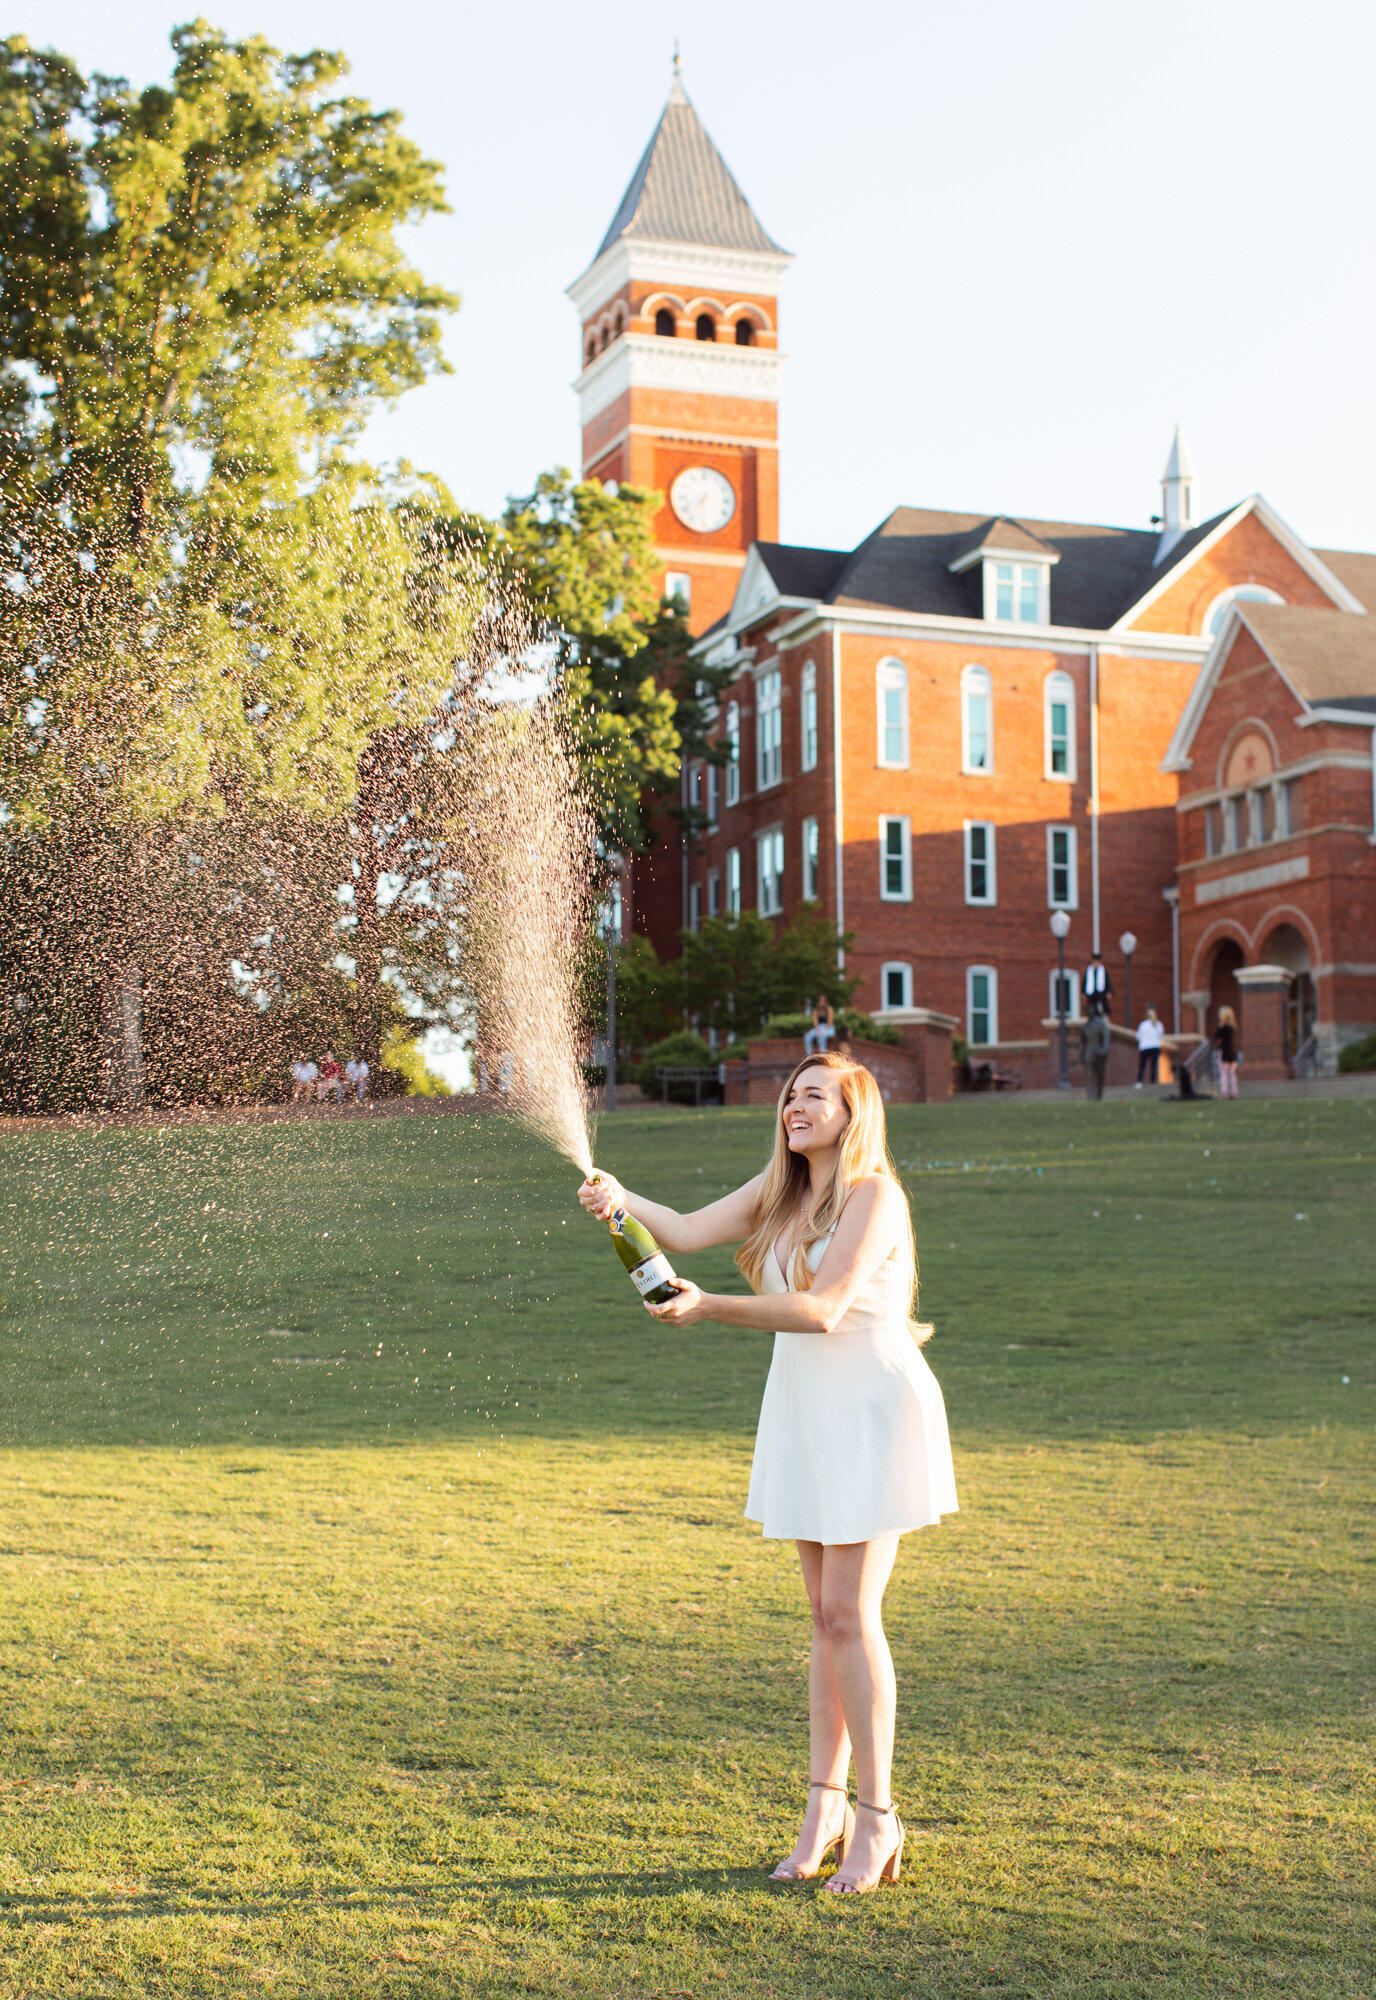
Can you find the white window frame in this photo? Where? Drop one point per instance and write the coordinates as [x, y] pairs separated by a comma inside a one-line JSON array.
[[769, 871], [1074, 982], [711, 800], [713, 893], [1072, 901], [769, 730], [733, 881], [695, 907], [905, 894], [1237, 593], [891, 675], [1025, 577], [678, 583], [989, 862], [1058, 686], [976, 684], [733, 741], [1232, 824], [808, 717], [991, 1011], [812, 860], [905, 974], [695, 786]]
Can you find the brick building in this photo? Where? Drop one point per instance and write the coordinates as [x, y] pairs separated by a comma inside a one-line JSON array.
[[967, 722]]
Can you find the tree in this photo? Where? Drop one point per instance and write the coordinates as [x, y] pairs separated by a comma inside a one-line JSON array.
[[736, 971]]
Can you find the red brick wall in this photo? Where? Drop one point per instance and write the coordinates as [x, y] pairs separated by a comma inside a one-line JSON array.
[[1249, 553]]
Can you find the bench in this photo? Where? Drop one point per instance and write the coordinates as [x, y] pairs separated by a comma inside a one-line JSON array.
[[689, 1073]]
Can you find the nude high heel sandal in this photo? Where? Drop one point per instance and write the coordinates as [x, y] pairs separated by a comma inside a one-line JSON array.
[[891, 1868], [840, 1841]]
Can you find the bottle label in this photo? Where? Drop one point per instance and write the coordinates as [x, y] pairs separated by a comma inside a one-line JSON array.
[[656, 1270]]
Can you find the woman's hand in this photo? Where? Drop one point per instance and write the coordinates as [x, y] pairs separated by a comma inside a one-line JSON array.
[[601, 1195], [683, 1308]]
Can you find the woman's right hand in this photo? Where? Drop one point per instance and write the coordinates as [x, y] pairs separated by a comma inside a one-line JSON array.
[[601, 1194]]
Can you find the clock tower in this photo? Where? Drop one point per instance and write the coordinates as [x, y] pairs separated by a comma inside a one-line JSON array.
[[679, 389]]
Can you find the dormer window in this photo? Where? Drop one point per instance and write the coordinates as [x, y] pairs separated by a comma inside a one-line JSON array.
[[1015, 572], [1017, 593]]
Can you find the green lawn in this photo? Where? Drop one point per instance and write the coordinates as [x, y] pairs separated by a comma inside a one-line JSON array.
[[379, 1615]]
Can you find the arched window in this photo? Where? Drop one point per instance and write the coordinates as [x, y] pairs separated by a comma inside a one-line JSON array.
[[592, 348], [1059, 726], [1242, 593], [809, 717], [618, 322], [745, 333], [891, 690], [707, 327], [976, 720], [666, 323], [606, 338], [733, 761]]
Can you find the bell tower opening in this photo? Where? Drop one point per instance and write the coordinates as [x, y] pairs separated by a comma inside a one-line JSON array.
[[686, 260]]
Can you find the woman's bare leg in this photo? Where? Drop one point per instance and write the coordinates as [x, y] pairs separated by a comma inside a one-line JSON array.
[[829, 1744], [854, 1577]]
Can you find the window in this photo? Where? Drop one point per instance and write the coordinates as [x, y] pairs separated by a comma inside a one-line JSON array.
[[1064, 990], [769, 730], [1211, 833], [809, 716], [1060, 726], [812, 859], [1287, 809], [896, 985], [892, 691], [733, 745], [733, 882], [1017, 593], [1256, 831], [711, 795], [981, 1004], [1232, 825], [695, 907], [770, 850], [1243, 593], [745, 333], [1062, 884], [706, 327], [713, 893], [980, 886], [678, 584], [976, 720], [695, 786], [666, 323], [895, 858]]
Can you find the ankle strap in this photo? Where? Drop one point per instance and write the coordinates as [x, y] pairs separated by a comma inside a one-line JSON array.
[[865, 1806], [821, 1785]]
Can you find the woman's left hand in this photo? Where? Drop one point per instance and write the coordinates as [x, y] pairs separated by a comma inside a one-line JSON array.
[[681, 1310]]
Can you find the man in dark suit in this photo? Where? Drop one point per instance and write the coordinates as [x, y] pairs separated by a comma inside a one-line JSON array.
[[1098, 988]]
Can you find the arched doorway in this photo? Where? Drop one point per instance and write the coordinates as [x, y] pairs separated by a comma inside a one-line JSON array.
[[1287, 946], [1224, 990]]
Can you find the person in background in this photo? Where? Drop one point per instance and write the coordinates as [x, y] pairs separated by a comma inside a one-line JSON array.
[[356, 1072], [1225, 1041], [1094, 1047], [1151, 1034], [823, 1027], [303, 1075], [1098, 987], [331, 1082]]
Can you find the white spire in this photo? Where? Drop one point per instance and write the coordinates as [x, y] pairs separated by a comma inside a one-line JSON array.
[[1180, 510]]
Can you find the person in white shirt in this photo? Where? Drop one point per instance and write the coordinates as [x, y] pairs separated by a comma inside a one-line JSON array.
[[356, 1071], [1097, 987], [303, 1075], [1151, 1035]]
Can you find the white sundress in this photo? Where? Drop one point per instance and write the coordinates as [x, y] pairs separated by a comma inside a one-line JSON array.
[[852, 1442]]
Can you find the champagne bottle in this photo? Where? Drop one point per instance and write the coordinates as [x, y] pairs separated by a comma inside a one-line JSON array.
[[651, 1272]]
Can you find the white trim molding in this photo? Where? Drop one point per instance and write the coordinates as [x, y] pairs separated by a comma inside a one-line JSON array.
[[693, 367], [1247, 880], [686, 267], [1298, 551]]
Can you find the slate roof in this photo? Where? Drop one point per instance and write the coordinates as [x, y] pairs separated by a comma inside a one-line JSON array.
[[1328, 657], [905, 565], [801, 572], [684, 192]]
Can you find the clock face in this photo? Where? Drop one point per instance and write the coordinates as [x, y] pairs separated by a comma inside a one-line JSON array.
[[703, 499]]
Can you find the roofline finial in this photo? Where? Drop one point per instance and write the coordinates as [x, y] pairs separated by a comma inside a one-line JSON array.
[[678, 60]]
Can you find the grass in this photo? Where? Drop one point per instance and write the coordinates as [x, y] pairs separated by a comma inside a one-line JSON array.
[[379, 1615]]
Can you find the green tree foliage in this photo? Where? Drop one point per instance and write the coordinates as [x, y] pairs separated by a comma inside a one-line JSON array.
[[737, 971]]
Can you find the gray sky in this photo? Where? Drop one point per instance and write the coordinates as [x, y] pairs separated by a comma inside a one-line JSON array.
[[1027, 237]]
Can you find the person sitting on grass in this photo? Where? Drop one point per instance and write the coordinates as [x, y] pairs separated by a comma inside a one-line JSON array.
[[356, 1073], [303, 1075], [331, 1082], [852, 1450]]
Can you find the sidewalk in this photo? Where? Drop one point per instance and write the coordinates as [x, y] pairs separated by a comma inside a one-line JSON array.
[[1360, 1084]]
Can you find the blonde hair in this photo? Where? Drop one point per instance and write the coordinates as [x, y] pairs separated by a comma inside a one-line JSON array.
[[863, 1150], [1227, 1018]]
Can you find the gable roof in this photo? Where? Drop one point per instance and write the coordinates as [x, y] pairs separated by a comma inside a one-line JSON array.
[[1328, 658], [684, 192], [802, 572], [998, 537]]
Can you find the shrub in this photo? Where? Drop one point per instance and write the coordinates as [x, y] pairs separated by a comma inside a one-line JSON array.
[[684, 1050], [849, 1021], [1358, 1055]]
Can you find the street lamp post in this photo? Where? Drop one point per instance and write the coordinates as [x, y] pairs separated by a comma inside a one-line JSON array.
[[616, 865], [1060, 925], [1127, 944]]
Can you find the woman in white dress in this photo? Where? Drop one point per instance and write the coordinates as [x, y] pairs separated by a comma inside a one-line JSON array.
[[852, 1449]]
